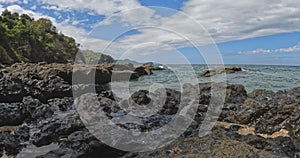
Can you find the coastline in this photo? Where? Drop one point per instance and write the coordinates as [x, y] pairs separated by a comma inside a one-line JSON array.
[[38, 109]]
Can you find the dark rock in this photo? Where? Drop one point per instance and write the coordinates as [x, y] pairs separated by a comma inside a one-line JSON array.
[[31, 104], [143, 71], [124, 75], [220, 70], [57, 129], [23, 133], [63, 104], [12, 114], [46, 81], [235, 94], [36, 109], [207, 147], [141, 97], [12, 142], [83, 144], [171, 105], [87, 74]]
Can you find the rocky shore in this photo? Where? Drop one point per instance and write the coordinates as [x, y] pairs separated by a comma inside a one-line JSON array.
[[220, 70], [38, 117]]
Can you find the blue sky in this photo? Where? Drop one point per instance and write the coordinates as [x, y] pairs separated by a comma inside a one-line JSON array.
[[256, 32]]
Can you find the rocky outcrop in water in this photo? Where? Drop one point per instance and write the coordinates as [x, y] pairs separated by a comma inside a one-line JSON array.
[[220, 70], [37, 110], [46, 81]]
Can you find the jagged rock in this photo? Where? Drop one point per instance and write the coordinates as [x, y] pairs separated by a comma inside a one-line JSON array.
[[36, 109], [54, 130], [235, 94], [205, 148], [124, 75], [13, 142], [63, 104], [141, 97], [83, 144], [12, 114], [143, 71], [220, 70]]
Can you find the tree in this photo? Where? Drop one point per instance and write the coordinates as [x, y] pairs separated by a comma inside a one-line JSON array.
[[28, 40]]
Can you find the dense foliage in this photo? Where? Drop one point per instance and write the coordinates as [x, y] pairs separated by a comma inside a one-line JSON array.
[[91, 57], [24, 39]]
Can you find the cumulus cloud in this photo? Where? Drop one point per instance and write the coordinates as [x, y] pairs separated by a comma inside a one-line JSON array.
[[224, 20], [102, 7], [8, 1], [293, 49], [233, 20], [1, 8], [79, 34]]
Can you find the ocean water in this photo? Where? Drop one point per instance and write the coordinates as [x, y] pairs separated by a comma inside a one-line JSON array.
[[273, 78]]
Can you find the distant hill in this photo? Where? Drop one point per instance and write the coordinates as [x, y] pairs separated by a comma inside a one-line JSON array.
[[24, 39], [90, 57], [128, 61]]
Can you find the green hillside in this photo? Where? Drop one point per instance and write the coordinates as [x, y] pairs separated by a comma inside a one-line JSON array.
[[24, 39], [91, 57]]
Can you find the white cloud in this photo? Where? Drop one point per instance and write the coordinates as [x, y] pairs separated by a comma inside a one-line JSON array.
[[52, 7], [33, 7], [232, 20], [8, 1], [293, 49], [80, 35], [225, 20], [1, 8], [102, 7]]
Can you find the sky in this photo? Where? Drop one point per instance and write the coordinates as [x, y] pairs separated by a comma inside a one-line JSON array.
[[177, 31]]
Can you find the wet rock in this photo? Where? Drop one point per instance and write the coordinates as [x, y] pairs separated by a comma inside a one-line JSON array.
[[31, 104], [235, 94], [46, 81], [280, 146], [2, 66], [262, 95], [36, 109], [12, 114], [171, 105], [83, 144], [12, 142], [220, 70], [89, 74], [207, 147], [141, 97], [22, 133], [57, 129], [124, 75], [108, 94], [11, 90], [143, 71], [152, 66], [63, 104]]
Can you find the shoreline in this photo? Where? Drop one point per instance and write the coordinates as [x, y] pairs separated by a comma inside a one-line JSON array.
[[38, 109]]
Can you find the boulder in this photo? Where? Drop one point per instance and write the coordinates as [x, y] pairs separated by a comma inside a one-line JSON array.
[[12, 114], [124, 75], [143, 71], [83, 144], [220, 70], [207, 147]]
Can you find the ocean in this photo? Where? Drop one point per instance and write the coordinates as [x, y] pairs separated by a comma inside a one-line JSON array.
[[274, 78]]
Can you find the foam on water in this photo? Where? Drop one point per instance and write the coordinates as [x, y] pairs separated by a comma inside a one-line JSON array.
[[273, 78]]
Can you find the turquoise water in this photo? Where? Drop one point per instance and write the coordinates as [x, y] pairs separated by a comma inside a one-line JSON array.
[[273, 78]]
